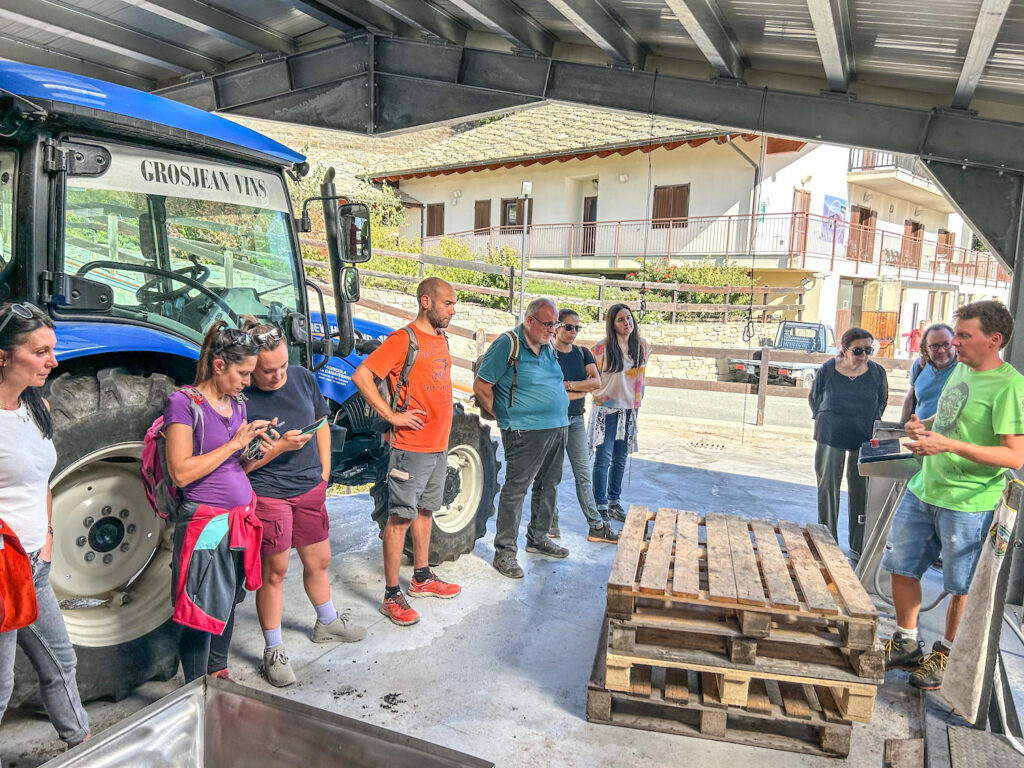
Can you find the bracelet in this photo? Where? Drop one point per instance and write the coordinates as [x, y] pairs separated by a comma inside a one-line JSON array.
[[49, 530]]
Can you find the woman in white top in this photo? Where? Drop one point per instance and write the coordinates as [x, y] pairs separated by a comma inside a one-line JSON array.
[[27, 458], [621, 359]]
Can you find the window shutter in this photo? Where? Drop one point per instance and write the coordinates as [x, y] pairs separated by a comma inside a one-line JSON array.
[[482, 215]]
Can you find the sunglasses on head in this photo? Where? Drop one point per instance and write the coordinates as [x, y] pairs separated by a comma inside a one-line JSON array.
[[247, 339], [572, 328], [22, 310], [858, 351]]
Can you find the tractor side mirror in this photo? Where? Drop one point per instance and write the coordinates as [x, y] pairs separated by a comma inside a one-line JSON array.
[[354, 231]]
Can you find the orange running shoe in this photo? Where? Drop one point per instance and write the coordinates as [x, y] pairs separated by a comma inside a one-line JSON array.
[[433, 587], [397, 609]]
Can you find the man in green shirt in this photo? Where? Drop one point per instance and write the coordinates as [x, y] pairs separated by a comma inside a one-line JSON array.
[[977, 433]]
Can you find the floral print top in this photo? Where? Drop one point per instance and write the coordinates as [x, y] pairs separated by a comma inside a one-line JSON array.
[[621, 390]]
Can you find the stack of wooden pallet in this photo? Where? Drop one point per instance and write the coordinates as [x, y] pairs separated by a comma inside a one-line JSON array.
[[738, 630]]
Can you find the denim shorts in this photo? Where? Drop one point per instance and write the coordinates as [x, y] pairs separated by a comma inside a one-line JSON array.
[[922, 532]]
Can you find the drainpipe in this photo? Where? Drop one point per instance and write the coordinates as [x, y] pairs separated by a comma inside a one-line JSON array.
[[755, 193]]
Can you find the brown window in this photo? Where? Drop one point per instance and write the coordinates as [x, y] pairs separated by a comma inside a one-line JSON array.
[[671, 203], [482, 215], [435, 219], [512, 213]]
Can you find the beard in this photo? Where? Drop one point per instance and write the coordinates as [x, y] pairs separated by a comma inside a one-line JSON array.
[[436, 319]]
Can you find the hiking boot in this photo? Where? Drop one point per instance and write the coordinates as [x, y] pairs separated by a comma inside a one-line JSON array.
[[547, 547], [433, 587], [603, 533], [616, 512], [276, 668], [928, 675], [553, 531], [505, 564], [397, 609], [342, 630], [902, 652]]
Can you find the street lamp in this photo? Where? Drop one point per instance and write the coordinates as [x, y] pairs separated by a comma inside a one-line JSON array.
[[527, 190]]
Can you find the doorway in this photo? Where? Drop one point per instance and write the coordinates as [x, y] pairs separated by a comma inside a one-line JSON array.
[[798, 230], [589, 230]]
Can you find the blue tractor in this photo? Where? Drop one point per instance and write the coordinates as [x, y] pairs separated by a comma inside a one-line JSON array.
[[137, 222]]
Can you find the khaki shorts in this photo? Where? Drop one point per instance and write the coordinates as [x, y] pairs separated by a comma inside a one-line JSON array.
[[424, 488]]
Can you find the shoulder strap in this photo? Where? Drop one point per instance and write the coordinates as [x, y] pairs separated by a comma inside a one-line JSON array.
[[411, 353], [513, 363], [195, 401], [920, 370]]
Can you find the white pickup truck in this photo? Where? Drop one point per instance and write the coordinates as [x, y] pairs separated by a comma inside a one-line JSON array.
[[792, 336]]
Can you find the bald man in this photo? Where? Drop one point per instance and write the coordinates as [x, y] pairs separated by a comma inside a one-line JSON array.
[[419, 442]]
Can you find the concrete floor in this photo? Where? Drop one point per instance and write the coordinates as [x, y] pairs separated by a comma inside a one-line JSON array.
[[501, 672]]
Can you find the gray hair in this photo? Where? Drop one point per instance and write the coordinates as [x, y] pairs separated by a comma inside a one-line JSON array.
[[534, 306]]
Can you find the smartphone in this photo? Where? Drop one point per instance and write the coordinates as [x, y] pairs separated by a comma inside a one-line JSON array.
[[308, 430]]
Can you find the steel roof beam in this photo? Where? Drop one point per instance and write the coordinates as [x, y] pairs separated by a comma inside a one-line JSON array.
[[103, 33], [214, 22], [19, 50], [986, 30], [705, 24], [512, 23], [423, 14], [831, 20], [606, 32], [353, 15]]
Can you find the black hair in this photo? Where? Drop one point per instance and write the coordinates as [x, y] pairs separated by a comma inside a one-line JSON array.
[[564, 313], [854, 334], [13, 335], [925, 357], [613, 354], [224, 343]]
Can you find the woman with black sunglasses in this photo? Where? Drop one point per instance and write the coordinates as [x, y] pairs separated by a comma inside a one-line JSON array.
[[27, 458], [216, 532], [847, 396]]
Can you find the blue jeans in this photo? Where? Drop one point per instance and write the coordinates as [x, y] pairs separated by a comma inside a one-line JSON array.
[[578, 451], [609, 464], [48, 647], [920, 532]]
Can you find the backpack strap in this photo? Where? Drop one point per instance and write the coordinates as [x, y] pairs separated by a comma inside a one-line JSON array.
[[513, 363], [195, 402], [411, 353]]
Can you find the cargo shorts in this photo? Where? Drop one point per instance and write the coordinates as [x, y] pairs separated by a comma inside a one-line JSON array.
[[415, 481]]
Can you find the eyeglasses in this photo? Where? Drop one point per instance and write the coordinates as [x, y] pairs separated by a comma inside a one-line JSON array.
[[858, 351], [572, 328], [937, 347], [22, 310], [550, 326]]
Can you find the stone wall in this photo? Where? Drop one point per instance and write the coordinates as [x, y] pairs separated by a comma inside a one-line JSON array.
[[706, 334]]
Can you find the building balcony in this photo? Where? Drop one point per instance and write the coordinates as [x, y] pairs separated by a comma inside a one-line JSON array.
[[779, 240], [897, 176]]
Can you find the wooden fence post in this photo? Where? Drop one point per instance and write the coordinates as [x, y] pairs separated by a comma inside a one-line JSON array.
[[600, 298], [512, 290], [727, 300], [481, 341], [675, 300], [762, 385], [420, 270]]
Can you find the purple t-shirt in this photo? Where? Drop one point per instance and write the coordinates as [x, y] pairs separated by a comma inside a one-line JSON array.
[[228, 485]]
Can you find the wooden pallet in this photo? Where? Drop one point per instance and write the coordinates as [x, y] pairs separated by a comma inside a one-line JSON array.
[[730, 576], [776, 715]]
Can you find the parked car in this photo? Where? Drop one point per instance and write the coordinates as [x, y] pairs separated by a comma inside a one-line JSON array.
[[792, 336]]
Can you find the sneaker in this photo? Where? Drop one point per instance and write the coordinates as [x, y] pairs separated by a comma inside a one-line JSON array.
[[342, 629], [603, 533], [928, 675], [616, 512], [276, 668], [433, 587], [603, 512], [902, 653], [547, 547], [221, 674], [505, 563], [553, 531], [397, 609]]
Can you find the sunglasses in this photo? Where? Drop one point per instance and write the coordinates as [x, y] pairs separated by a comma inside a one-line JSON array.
[[268, 337], [22, 310], [246, 339], [572, 328], [858, 351]]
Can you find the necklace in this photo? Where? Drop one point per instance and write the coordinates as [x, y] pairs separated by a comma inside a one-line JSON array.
[[16, 410]]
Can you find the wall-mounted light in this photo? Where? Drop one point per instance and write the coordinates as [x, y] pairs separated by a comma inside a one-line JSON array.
[[917, 211], [867, 197], [623, 178], [807, 283], [457, 193], [595, 182], [892, 208], [527, 188], [805, 179]]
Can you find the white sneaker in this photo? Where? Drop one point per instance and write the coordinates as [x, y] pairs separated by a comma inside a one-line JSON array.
[[276, 667]]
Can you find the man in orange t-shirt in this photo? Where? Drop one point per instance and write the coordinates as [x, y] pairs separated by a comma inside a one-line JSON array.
[[418, 461]]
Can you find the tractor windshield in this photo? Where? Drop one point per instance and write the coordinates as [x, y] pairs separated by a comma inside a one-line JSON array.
[[183, 242]]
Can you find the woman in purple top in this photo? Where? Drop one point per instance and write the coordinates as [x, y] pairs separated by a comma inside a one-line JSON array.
[[204, 460]]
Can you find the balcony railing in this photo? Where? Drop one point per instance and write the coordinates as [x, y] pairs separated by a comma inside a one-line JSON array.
[[870, 160], [798, 240]]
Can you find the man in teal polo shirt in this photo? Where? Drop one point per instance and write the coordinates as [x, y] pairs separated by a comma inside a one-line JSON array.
[[533, 432], [977, 434]]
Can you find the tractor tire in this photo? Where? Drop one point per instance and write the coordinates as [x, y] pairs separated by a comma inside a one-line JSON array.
[[470, 486], [112, 553]]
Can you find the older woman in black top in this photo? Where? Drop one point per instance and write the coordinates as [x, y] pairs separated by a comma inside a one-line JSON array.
[[848, 395]]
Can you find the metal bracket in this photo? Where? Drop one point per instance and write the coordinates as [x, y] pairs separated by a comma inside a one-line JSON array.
[[75, 159], [74, 292]]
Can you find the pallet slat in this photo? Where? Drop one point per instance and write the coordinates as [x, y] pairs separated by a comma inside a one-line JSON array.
[[627, 553], [749, 590], [816, 592], [686, 569], [773, 565], [721, 576], [857, 601], [659, 553]]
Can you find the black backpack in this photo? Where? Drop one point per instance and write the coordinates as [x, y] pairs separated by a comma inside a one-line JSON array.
[[513, 363], [391, 397]]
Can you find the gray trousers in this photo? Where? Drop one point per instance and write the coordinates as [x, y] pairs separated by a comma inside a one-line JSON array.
[[47, 646], [577, 448], [532, 456], [828, 466]]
